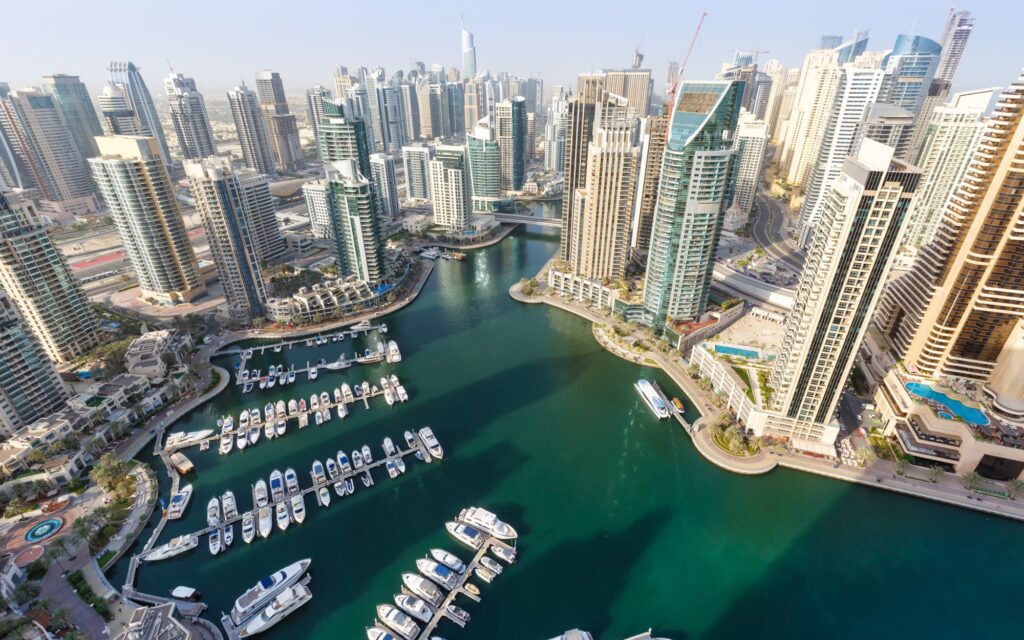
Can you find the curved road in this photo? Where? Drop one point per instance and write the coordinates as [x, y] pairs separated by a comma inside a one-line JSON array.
[[768, 234]]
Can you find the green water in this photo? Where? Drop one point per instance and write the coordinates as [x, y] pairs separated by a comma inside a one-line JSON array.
[[623, 526]]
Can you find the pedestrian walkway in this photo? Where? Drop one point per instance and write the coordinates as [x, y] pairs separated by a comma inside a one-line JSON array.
[[57, 589]]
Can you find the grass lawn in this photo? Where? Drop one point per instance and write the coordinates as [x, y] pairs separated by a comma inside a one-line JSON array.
[[745, 377]]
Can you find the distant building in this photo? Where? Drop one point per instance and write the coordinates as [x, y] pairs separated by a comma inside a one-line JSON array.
[[653, 131], [126, 77], [468, 54], [635, 85], [510, 131], [449, 188], [751, 143], [484, 159], [251, 126], [75, 105], [382, 172], [416, 161], [282, 127], [554, 133], [189, 118], [315, 99]]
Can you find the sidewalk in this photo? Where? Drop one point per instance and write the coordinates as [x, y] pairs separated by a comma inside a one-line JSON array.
[[57, 589]]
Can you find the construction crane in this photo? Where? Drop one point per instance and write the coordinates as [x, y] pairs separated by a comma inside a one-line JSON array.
[[671, 97]]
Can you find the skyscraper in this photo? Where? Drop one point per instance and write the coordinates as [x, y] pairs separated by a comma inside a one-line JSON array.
[[776, 71], [456, 108], [843, 276], [252, 130], [73, 100], [36, 276], [554, 133], [385, 181], [484, 159], [910, 67], [222, 205], [315, 99], [410, 110], [751, 141], [189, 118], [354, 216], [393, 114], [633, 84], [282, 127], [653, 131], [119, 118], [693, 193], [449, 188], [812, 105], [511, 134], [30, 387], [416, 160], [133, 180], [579, 125], [343, 137], [953, 313], [126, 77], [39, 135], [468, 54]]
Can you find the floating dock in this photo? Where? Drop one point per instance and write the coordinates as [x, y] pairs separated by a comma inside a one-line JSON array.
[[308, 341]]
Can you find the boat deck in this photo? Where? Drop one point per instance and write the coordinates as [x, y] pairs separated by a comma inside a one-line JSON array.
[[234, 631], [672, 408]]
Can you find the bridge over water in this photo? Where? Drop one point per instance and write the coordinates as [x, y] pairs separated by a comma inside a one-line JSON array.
[[518, 218]]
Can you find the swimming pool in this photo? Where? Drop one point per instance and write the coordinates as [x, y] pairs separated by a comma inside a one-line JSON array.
[[737, 351], [973, 415]]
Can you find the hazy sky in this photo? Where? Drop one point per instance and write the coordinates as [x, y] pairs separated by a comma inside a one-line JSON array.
[[220, 41]]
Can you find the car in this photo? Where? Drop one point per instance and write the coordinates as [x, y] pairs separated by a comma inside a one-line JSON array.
[[836, 465]]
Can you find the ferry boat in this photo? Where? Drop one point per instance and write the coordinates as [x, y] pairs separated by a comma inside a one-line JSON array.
[[486, 521], [433, 446], [228, 504], [652, 398], [175, 546], [423, 588], [276, 486], [439, 573], [284, 604], [248, 527], [298, 509], [394, 355], [179, 501], [182, 464], [414, 606], [398, 621], [465, 534], [449, 560], [281, 516]]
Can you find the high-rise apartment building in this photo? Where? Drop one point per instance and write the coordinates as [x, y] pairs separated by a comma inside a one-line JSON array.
[[393, 114], [456, 113], [653, 132], [133, 180], [251, 126], [410, 111], [119, 119], [449, 188], [554, 133], [693, 193], [841, 283], [474, 103], [510, 131], [315, 99], [484, 160], [39, 136], [282, 127], [221, 202], [73, 100], [954, 311], [383, 176], [776, 71], [126, 77], [635, 85], [35, 275], [812, 105], [578, 127], [751, 141], [30, 387], [780, 120], [343, 137], [416, 160], [189, 118], [910, 67]]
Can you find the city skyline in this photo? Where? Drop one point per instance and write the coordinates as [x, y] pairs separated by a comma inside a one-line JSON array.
[[434, 37]]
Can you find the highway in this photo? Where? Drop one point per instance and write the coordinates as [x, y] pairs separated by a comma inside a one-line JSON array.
[[768, 234]]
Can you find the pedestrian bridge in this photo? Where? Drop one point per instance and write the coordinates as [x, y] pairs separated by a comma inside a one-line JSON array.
[[517, 218]]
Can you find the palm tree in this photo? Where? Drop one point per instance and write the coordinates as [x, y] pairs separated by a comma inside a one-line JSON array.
[[59, 618], [82, 527], [971, 480], [935, 473]]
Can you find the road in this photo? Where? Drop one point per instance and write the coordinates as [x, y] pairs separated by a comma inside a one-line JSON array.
[[767, 232]]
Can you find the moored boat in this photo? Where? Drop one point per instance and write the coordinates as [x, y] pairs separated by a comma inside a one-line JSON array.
[[437, 572], [229, 506], [213, 512], [298, 505], [449, 560], [487, 522], [429, 439], [179, 502], [281, 515], [284, 603], [653, 399], [423, 588], [465, 534], [415, 607], [263, 591], [291, 481], [276, 486], [214, 540], [264, 521], [324, 496], [343, 463], [173, 547], [398, 621], [248, 527], [491, 565]]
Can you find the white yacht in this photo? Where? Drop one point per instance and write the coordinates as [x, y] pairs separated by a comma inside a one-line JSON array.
[[325, 399], [343, 462], [437, 572], [403, 395], [337, 396], [433, 446], [414, 606], [652, 398], [484, 574], [398, 621], [291, 374], [342, 410], [380, 633], [449, 560], [265, 523], [215, 545], [303, 420], [242, 438], [291, 481], [213, 512], [391, 469], [248, 527], [281, 515], [313, 372], [367, 454], [423, 588], [314, 402], [465, 534], [227, 442], [254, 434], [394, 355], [298, 509], [280, 409], [324, 496], [229, 535], [261, 593], [400, 464], [317, 473], [276, 486], [357, 459], [174, 547], [332, 468], [179, 501], [283, 605], [268, 411], [259, 493], [346, 392], [293, 407], [318, 418], [506, 555], [389, 447], [229, 506], [487, 522], [280, 428], [268, 429]]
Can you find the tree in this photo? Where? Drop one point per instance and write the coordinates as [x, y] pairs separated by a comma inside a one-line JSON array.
[[935, 473], [25, 592], [42, 486], [34, 457], [109, 471], [59, 618], [1014, 487], [971, 480], [14, 507]]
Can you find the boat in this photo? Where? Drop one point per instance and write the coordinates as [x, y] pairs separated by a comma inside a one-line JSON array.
[[338, 364], [291, 374], [361, 326], [282, 377], [342, 410], [293, 407], [242, 439], [280, 428], [263, 383], [366, 388], [312, 373], [261, 593], [367, 480], [247, 387], [271, 381], [215, 545], [213, 512], [677, 404], [433, 446], [337, 396], [653, 399], [229, 535], [380, 633], [394, 355], [389, 395], [400, 464], [229, 505], [325, 399], [319, 477], [343, 462], [484, 574], [491, 565], [403, 395], [265, 523], [487, 522], [449, 560], [367, 454], [423, 588], [276, 486], [415, 607], [277, 348], [410, 439], [183, 439], [465, 534], [228, 425], [350, 486], [291, 481], [389, 447], [471, 589], [268, 411], [318, 418], [303, 420], [188, 594], [332, 468], [179, 501], [243, 420], [325, 496], [357, 459], [248, 527], [458, 613], [175, 546], [227, 441], [281, 516], [392, 471], [437, 572], [505, 554], [243, 375], [284, 603], [346, 392], [398, 620], [254, 434], [259, 493], [268, 430], [279, 413], [298, 509], [302, 405], [314, 402]]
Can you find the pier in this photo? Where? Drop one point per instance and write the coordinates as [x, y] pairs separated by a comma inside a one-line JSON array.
[[278, 346], [672, 408], [337, 365]]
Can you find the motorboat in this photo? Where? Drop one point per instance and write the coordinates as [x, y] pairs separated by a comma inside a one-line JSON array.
[[188, 594], [342, 410], [243, 374], [410, 439], [264, 521], [449, 560], [302, 405], [281, 516], [337, 396], [314, 402], [312, 372], [261, 593], [484, 574], [415, 607], [423, 588], [268, 411], [357, 459], [271, 381], [366, 388], [229, 505], [486, 521], [437, 572], [346, 392], [389, 447], [182, 439], [458, 613], [653, 399], [293, 407], [400, 464], [179, 501], [332, 468], [505, 554], [367, 454], [242, 439], [280, 428], [303, 420], [277, 348], [263, 382], [465, 534], [471, 589], [343, 463], [215, 544], [380, 633], [389, 395], [325, 399], [403, 395], [325, 496], [174, 547], [433, 446], [259, 493], [394, 355], [248, 527], [398, 620], [213, 512], [491, 565], [227, 441], [350, 486], [392, 471], [291, 374], [254, 417], [254, 434], [276, 486], [279, 413], [282, 377], [229, 536], [283, 604], [229, 425], [291, 481], [361, 326], [319, 477], [367, 480], [243, 420], [338, 364], [340, 488], [247, 387], [268, 430], [298, 509], [318, 418]]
